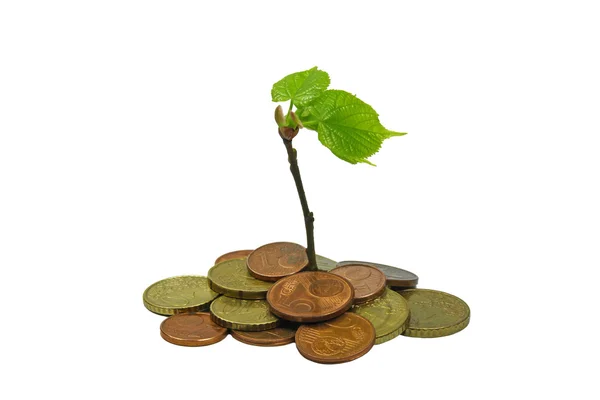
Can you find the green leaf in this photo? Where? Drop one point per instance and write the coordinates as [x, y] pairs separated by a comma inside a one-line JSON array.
[[349, 127], [301, 87]]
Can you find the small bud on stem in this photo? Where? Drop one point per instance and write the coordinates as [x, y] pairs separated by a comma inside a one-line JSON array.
[[279, 118], [296, 119]]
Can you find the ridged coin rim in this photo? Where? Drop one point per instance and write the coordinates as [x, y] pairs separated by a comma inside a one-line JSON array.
[[437, 332]]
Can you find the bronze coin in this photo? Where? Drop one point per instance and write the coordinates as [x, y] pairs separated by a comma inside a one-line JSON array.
[[397, 278], [193, 329], [311, 296], [277, 260], [339, 340], [233, 255], [368, 281], [268, 338]]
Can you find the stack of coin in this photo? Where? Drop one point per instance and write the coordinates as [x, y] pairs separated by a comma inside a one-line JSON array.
[[335, 314]]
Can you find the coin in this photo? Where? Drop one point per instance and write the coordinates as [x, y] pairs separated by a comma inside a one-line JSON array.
[[311, 296], [277, 260], [232, 279], [243, 315], [179, 294], [368, 281], [396, 277], [339, 340], [233, 255], [192, 329], [272, 337], [434, 313], [388, 314], [325, 264]]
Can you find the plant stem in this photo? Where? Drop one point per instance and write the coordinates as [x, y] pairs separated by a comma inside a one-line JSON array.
[[308, 216]]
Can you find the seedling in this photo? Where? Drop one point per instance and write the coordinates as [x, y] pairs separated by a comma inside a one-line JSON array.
[[346, 125]]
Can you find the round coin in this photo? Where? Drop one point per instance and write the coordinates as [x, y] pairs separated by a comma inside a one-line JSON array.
[[272, 337], [339, 340], [368, 281], [434, 313], [311, 296], [277, 260], [193, 329], [397, 278], [325, 264], [233, 255], [388, 314], [243, 315], [178, 295], [232, 279]]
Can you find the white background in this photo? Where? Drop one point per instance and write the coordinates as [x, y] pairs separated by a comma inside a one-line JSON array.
[[137, 142]]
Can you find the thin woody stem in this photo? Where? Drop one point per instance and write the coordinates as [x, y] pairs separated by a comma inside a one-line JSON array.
[[308, 216]]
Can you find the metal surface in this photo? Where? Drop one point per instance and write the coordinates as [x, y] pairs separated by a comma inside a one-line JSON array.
[[243, 315], [311, 296], [277, 260], [342, 339], [232, 279], [434, 313], [179, 294], [368, 282], [272, 337], [396, 277], [193, 329], [233, 255], [388, 313]]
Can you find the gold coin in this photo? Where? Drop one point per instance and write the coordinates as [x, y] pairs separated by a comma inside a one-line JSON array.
[[325, 264], [388, 314], [178, 295], [434, 313], [232, 279], [243, 315]]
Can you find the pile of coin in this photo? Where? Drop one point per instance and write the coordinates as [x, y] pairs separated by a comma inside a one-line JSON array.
[[265, 297]]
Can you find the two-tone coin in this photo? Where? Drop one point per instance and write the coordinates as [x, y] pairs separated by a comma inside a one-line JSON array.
[[339, 340], [192, 329], [388, 313], [233, 255], [397, 278], [179, 294], [311, 296], [232, 279], [274, 261], [434, 313], [368, 281], [325, 264], [272, 337], [243, 315]]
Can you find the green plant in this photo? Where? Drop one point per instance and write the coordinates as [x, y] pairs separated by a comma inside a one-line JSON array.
[[346, 125]]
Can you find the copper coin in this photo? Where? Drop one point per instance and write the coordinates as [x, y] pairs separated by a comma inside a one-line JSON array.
[[233, 255], [368, 281], [277, 260], [339, 340], [396, 277], [311, 296], [271, 337], [193, 329]]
